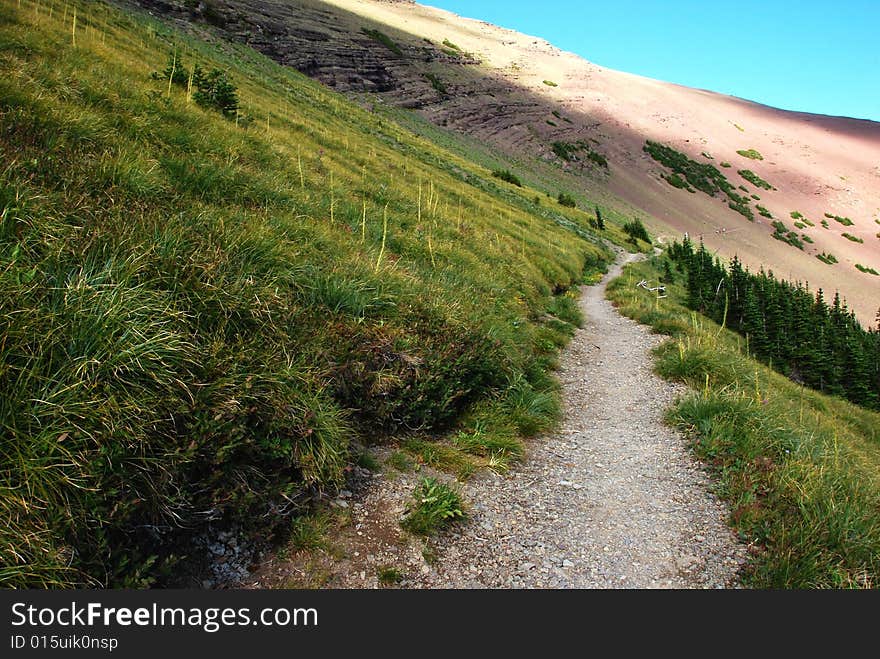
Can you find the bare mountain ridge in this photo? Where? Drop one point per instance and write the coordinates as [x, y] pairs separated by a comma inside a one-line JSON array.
[[521, 95]]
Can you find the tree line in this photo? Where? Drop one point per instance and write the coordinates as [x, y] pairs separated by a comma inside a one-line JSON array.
[[798, 333]]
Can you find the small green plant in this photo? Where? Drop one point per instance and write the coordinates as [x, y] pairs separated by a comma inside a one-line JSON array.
[[845, 221], [389, 575], [214, 90], [726, 164], [764, 212], [435, 506], [852, 238], [566, 200], [754, 179], [310, 531], [437, 84], [400, 461], [507, 176], [366, 460], [384, 39], [753, 154], [796, 215], [550, 83], [564, 150], [677, 181], [450, 45], [829, 259], [806, 238], [866, 269], [824, 224]]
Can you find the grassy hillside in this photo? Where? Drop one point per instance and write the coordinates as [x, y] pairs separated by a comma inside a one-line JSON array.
[[199, 314], [798, 468]]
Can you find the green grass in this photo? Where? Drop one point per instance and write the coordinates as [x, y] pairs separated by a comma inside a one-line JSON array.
[[310, 531], [400, 461], [828, 259], [389, 576], [199, 315], [384, 39], [852, 238], [799, 470], [752, 154], [438, 85], [866, 269], [435, 506]]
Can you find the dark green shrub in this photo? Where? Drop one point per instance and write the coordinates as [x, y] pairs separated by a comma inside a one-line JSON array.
[[435, 506], [175, 70], [508, 176], [677, 181], [384, 39], [637, 230], [437, 84], [566, 200], [754, 179]]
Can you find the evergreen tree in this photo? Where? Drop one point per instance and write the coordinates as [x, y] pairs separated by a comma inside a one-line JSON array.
[[214, 90]]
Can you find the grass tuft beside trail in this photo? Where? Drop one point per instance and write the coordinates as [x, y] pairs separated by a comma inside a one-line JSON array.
[[798, 469]]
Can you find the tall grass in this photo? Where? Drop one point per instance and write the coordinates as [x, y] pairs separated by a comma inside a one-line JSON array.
[[196, 317], [799, 469]]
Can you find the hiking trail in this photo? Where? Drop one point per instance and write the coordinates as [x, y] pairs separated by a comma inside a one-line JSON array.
[[612, 499]]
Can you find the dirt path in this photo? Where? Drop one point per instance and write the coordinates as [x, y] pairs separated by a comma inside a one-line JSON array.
[[612, 499]]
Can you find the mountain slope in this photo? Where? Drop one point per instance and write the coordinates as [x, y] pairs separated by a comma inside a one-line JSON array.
[[203, 314], [522, 95]]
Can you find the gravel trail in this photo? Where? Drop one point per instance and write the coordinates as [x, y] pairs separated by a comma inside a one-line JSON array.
[[612, 499]]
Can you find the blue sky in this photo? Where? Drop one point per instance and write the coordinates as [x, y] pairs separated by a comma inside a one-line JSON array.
[[813, 56]]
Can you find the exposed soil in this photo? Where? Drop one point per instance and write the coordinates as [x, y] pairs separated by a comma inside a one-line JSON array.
[[612, 499]]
